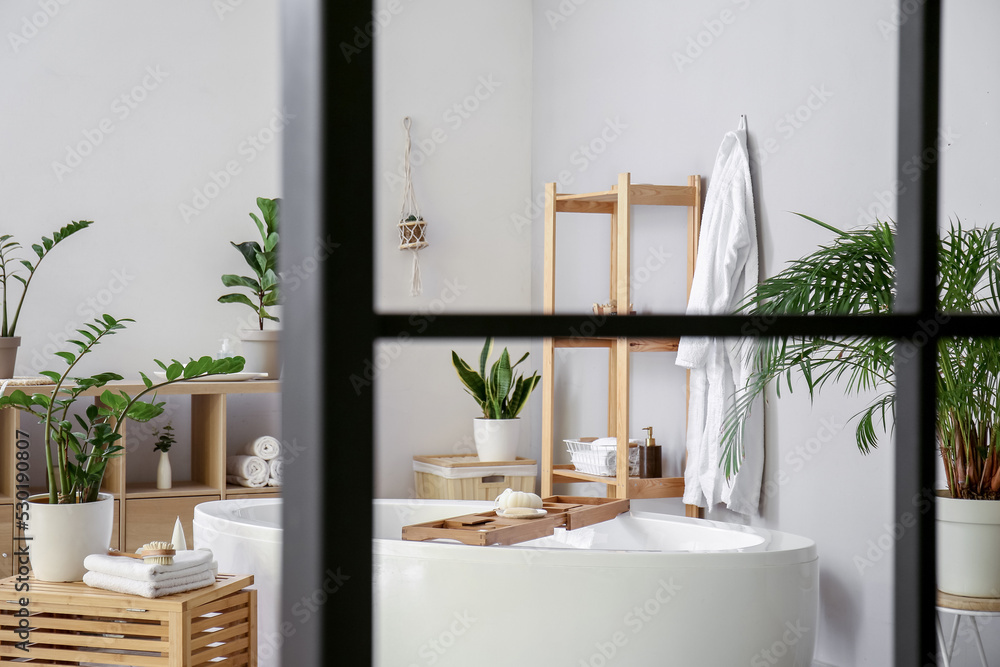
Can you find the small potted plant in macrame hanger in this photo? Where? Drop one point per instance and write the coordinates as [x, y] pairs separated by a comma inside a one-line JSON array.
[[412, 228], [164, 441], [260, 345]]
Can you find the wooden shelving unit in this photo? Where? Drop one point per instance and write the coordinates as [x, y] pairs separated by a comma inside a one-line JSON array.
[[617, 203], [143, 512]]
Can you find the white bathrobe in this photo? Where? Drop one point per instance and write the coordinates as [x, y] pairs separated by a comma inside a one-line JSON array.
[[726, 270]]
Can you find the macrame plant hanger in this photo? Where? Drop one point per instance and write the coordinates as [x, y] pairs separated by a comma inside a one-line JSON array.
[[411, 224]]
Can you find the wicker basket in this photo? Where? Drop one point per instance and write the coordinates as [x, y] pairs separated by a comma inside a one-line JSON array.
[[464, 477]]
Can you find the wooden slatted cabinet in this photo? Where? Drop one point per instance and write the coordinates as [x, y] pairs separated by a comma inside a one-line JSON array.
[[616, 203]]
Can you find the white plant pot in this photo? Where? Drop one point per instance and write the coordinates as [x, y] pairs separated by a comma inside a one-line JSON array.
[[968, 540], [61, 536], [164, 479], [260, 349], [496, 439]]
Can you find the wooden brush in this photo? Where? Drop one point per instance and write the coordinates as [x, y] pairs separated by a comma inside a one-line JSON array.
[[161, 553]]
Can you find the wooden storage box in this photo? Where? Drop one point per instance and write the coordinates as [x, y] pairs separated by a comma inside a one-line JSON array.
[[464, 477], [74, 624]]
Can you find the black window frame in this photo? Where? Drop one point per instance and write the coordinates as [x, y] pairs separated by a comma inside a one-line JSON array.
[[332, 327]]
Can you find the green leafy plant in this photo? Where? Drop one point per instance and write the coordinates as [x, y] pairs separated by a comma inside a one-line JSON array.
[[75, 460], [854, 275], [499, 395], [262, 258], [9, 268], [165, 439]]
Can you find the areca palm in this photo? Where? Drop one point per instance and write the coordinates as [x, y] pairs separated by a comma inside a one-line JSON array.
[[854, 275]]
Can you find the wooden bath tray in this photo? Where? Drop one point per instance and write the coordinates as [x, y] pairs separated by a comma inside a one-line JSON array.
[[486, 528]]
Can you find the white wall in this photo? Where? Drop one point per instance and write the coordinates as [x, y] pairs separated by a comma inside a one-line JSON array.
[[201, 95], [461, 71], [818, 86]]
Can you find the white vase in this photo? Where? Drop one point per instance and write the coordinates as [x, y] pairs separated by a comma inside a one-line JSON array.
[[496, 439], [968, 540], [61, 536], [260, 350], [163, 477]]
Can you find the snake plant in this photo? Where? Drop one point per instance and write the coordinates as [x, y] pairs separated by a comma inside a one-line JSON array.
[[499, 394]]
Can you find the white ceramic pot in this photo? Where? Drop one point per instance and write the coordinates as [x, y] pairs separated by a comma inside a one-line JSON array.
[[8, 355], [496, 439], [164, 480], [61, 536], [968, 541], [260, 349]]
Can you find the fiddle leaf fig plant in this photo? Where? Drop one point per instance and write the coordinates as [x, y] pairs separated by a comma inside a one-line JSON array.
[[854, 275], [262, 258], [499, 395], [9, 269], [75, 460]]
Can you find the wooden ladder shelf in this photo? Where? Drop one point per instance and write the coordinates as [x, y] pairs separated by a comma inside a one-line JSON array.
[[615, 202]]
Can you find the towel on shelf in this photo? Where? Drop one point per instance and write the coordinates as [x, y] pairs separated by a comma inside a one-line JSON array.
[[275, 472], [726, 271], [185, 564], [252, 468], [266, 447], [249, 483], [149, 589]]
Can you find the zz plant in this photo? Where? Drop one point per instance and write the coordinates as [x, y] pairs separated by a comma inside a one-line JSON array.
[[499, 394], [9, 269], [262, 258], [854, 275], [75, 460]]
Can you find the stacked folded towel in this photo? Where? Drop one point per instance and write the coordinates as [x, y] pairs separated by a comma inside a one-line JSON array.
[[257, 465], [190, 570]]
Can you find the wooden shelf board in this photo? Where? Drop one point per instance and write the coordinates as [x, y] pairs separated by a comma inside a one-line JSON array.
[[237, 489], [178, 389], [634, 344], [661, 195], [660, 487], [180, 488]]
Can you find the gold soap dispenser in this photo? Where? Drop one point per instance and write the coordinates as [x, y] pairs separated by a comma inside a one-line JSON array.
[[649, 457]]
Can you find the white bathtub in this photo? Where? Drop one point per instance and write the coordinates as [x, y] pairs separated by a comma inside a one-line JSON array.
[[643, 589], [245, 536]]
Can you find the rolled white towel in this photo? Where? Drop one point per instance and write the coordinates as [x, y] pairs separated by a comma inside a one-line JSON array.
[[266, 447], [273, 482], [249, 483], [275, 471], [252, 468]]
